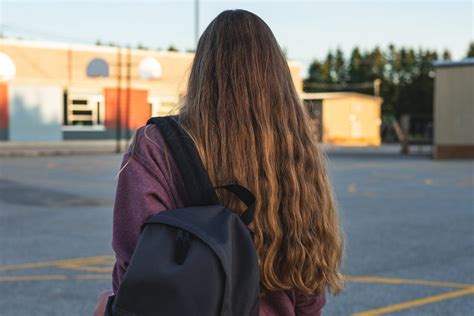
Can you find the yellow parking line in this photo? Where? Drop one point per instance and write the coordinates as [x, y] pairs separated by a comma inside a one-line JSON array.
[[67, 264], [417, 302], [19, 278], [406, 281], [53, 277], [104, 264], [84, 267], [91, 264], [28, 265]]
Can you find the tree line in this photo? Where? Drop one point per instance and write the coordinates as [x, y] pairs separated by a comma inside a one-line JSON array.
[[405, 76]]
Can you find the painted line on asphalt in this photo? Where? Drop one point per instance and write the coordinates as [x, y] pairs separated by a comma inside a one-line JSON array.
[[417, 302], [406, 282], [53, 277], [26, 278], [105, 264], [94, 264]]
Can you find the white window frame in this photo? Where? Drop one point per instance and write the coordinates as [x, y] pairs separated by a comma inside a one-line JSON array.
[[92, 100]]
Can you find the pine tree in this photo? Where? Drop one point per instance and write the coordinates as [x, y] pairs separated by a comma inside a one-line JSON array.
[[470, 51], [446, 55], [355, 67], [339, 66]]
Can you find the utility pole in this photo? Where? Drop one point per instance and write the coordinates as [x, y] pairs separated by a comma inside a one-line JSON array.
[[196, 22], [377, 83], [118, 123], [69, 65]]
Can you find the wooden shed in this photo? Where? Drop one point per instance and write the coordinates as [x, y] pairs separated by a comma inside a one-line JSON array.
[[345, 118]]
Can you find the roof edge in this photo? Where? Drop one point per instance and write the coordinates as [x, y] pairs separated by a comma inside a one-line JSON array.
[[335, 95], [452, 63]]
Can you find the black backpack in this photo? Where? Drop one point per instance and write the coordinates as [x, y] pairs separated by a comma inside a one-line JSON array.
[[197, 260]]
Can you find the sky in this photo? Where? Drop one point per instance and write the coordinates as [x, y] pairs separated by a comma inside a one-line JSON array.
[[305, 29]]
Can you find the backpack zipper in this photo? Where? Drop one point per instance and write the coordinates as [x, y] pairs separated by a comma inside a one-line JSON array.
[[182, 246]]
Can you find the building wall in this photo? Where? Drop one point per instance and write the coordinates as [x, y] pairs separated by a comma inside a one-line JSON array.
[[352, 120], [295, 70], [454, 112], [65, 66], [35, 112]]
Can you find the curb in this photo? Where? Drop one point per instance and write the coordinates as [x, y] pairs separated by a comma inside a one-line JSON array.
[[60, 148]]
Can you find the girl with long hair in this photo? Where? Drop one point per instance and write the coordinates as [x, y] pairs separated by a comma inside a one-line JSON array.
[[243, 113]]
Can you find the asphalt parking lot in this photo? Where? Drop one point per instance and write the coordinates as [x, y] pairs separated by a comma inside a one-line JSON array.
[[409, 224]]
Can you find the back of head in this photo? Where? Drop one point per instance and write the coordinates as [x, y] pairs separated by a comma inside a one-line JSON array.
[[250, 127]]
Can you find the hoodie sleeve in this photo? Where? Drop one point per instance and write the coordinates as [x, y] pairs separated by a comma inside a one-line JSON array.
[[147, 184]]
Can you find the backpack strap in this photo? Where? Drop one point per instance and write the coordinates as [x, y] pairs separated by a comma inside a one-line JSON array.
[[197, 184], [245, 196]]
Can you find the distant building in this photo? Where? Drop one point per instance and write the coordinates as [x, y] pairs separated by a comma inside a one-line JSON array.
[[56, 91], [345, 118], [454, 109]]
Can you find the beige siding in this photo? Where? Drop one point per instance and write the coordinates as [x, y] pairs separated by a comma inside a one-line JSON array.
[[352, 120], [295, 70], [454, 106]]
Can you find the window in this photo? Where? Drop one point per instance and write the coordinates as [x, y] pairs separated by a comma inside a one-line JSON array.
[[154, 103], [161, 105], [84, 110], [97, 67]]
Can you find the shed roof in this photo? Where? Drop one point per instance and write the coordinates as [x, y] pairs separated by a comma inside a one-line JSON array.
[[457, 63], [335, 95]]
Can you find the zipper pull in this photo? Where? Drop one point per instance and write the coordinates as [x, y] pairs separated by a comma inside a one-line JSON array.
[[182, 246]]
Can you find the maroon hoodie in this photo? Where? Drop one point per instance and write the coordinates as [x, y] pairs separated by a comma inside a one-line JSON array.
[[150, 183]]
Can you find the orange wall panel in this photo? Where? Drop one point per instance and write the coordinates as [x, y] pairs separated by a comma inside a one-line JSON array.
[[3, 105], [138, 108]]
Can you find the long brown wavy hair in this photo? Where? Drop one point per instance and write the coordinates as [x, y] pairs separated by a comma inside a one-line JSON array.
[[250, 127]]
